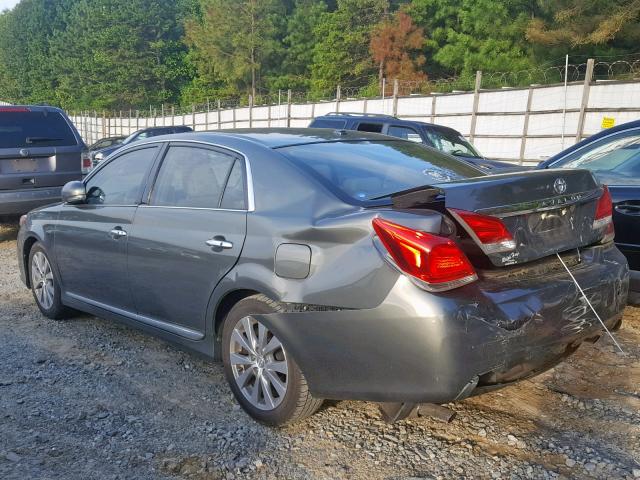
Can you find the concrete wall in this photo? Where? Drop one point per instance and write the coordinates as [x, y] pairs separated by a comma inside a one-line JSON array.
[[523, 124]]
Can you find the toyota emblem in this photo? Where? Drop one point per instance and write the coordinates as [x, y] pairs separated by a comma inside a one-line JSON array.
[[560, 185]]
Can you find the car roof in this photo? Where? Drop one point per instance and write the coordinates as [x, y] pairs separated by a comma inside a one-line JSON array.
[[36, 108], [606, 132], [277, 137], [380, 118]]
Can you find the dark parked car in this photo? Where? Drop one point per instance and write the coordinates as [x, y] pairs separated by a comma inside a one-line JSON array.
[[40, 151], [100, 155], [445, 139], [106, 142], [343, 265], [613, 156]]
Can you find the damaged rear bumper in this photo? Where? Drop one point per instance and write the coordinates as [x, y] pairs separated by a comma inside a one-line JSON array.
[[434, 348]]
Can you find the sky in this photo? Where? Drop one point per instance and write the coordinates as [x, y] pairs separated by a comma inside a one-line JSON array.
[[4, 4]]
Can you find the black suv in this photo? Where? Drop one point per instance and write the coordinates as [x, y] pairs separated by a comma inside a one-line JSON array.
[[445, 139], [40, 151], [98, 156]]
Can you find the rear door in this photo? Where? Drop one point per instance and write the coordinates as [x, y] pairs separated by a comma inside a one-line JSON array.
[[38, 148], [188, 236]]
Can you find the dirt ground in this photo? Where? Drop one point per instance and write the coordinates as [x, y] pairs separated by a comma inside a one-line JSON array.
[[88, 398]]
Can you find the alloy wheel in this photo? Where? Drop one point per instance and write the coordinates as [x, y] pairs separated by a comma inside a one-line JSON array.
[[259, 364], [42, 280]]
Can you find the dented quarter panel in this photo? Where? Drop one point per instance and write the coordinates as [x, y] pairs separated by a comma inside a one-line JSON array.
[[423, 347]]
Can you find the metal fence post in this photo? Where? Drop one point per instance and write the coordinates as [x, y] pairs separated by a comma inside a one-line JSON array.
[[219, 114], [434, 97], [234, 116], [525, 128], [338, 94], [137, 120], [269, 116], [193, 117], [206, 121], [396, 87], [288, 108], [476, 101], [250, 111], [173, 115], [584, 104], [104, 117], [95, 123]]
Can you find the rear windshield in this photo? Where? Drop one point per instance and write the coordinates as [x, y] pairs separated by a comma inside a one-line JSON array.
[[366, 171], [34, 129]]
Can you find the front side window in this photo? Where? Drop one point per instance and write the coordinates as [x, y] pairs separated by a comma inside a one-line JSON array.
[[365, 170], [121, 181], [406, 133], [451, 142], [192, 177], [614, 160]]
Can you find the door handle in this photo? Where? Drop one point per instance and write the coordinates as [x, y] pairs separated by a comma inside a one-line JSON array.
[[628, 209], [219, 242], [117, 233]]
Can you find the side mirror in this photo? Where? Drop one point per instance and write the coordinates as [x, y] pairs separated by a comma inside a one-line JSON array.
[[74, 193]]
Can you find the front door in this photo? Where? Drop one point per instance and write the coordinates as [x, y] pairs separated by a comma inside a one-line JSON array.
[[187, 237], [90, 240]]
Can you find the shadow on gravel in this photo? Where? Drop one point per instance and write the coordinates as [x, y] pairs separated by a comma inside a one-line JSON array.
[[8, 229]]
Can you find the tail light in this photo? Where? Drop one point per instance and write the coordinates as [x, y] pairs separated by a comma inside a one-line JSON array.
[[489, 232], [86, 162], [436, 263], [603, 217]]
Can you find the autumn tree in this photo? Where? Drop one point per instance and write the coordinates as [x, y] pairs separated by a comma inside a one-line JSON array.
[[396, 45]]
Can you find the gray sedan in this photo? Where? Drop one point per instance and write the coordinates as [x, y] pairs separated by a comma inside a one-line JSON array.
[[331, 264]]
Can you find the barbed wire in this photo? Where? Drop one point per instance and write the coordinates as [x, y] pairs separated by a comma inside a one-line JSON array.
[[622, 68]]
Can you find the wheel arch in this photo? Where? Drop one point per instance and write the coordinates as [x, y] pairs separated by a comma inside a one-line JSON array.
[[28, 244], [223, 307]]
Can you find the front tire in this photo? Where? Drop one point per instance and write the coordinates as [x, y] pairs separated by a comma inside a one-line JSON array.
[[263, 376], [45, 285]]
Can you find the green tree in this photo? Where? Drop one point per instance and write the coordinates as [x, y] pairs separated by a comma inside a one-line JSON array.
[[469, 35], [341, 56], [294, 71], [119, 53], [27, 72], [233, 40]]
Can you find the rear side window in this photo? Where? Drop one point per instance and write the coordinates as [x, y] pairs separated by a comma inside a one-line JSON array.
[[365, 171], [24, 129], [325, 123], [370, 127], [406, 133], [234, 196], [192, 177], [121, 181]]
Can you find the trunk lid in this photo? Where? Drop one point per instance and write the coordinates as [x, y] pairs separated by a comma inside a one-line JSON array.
[[545, 211]]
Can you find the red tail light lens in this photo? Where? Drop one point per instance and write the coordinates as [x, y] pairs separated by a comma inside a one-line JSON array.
[[604, 209], [603, 217], [437, 262], [490, 233], [86, 163]]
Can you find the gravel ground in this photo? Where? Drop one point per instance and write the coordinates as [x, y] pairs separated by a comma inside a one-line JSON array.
[[88, 398]]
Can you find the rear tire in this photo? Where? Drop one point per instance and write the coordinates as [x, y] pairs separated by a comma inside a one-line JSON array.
[[263, 376], [45, 284]]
